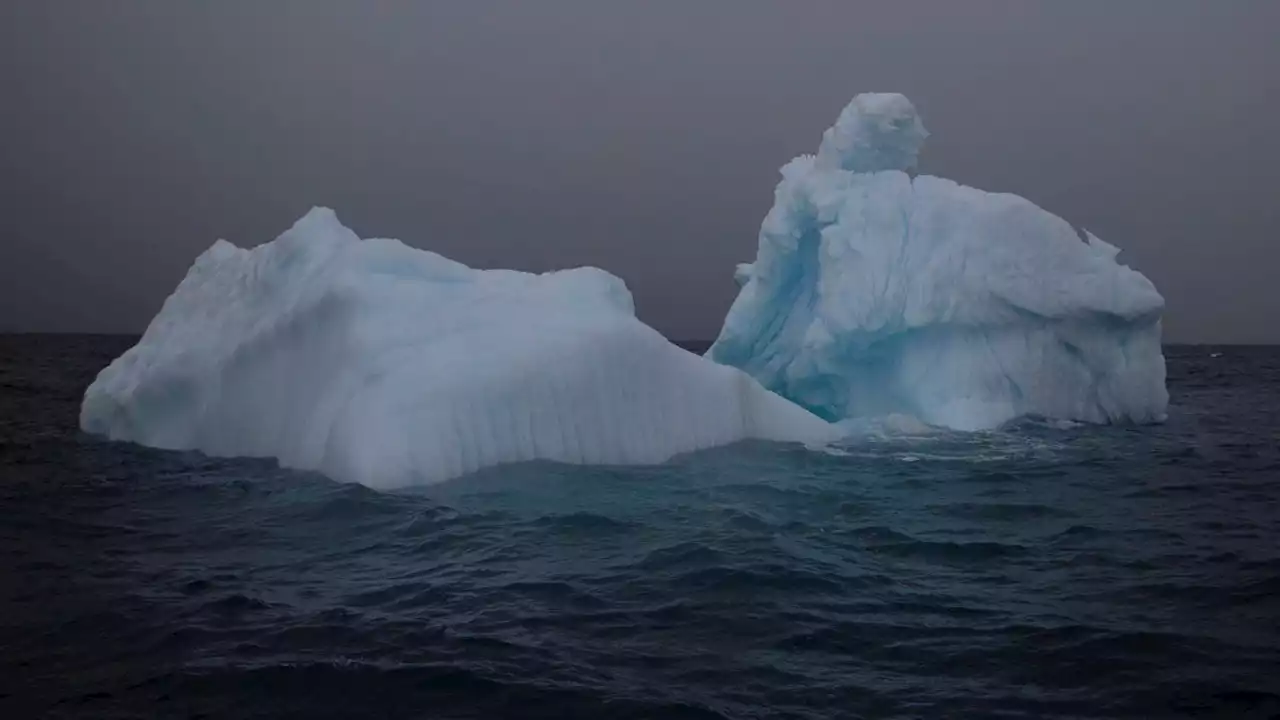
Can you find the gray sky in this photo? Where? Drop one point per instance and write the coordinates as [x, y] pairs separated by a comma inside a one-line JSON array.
[[642, 137]]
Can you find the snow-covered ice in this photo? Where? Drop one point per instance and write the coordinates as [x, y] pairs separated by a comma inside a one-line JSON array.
[[874, 292], [375, 362]]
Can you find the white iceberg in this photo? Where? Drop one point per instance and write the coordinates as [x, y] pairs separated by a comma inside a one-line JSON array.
[[874, 293], [374, 362]]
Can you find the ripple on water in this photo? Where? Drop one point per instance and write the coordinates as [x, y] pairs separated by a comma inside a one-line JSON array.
[[1037, 571]]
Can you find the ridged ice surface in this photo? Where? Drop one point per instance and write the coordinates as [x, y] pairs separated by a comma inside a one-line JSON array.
[[378, 363], [873, 292]]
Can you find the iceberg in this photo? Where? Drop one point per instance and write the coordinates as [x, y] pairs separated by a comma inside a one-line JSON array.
[[374, 362], [875, 292]]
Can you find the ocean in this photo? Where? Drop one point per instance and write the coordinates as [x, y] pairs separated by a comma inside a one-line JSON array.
[[1039, 571]]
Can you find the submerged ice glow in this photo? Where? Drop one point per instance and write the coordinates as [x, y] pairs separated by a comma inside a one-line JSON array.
[[873, 292]]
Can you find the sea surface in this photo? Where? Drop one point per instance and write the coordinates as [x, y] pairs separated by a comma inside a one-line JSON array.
[[1041, 571]]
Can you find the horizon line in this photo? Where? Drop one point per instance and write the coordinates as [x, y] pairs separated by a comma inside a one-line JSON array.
[[675, 340]]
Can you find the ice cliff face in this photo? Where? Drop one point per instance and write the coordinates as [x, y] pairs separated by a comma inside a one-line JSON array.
[[873, 292], [375, 362]]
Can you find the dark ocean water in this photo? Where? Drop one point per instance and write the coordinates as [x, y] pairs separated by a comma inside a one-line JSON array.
[[1036, 572]]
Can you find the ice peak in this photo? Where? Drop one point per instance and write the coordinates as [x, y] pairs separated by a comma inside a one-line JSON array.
[[876, 131], [875, 294]]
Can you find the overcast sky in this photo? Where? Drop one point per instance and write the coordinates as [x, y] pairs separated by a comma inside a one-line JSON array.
[[642, 137]]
